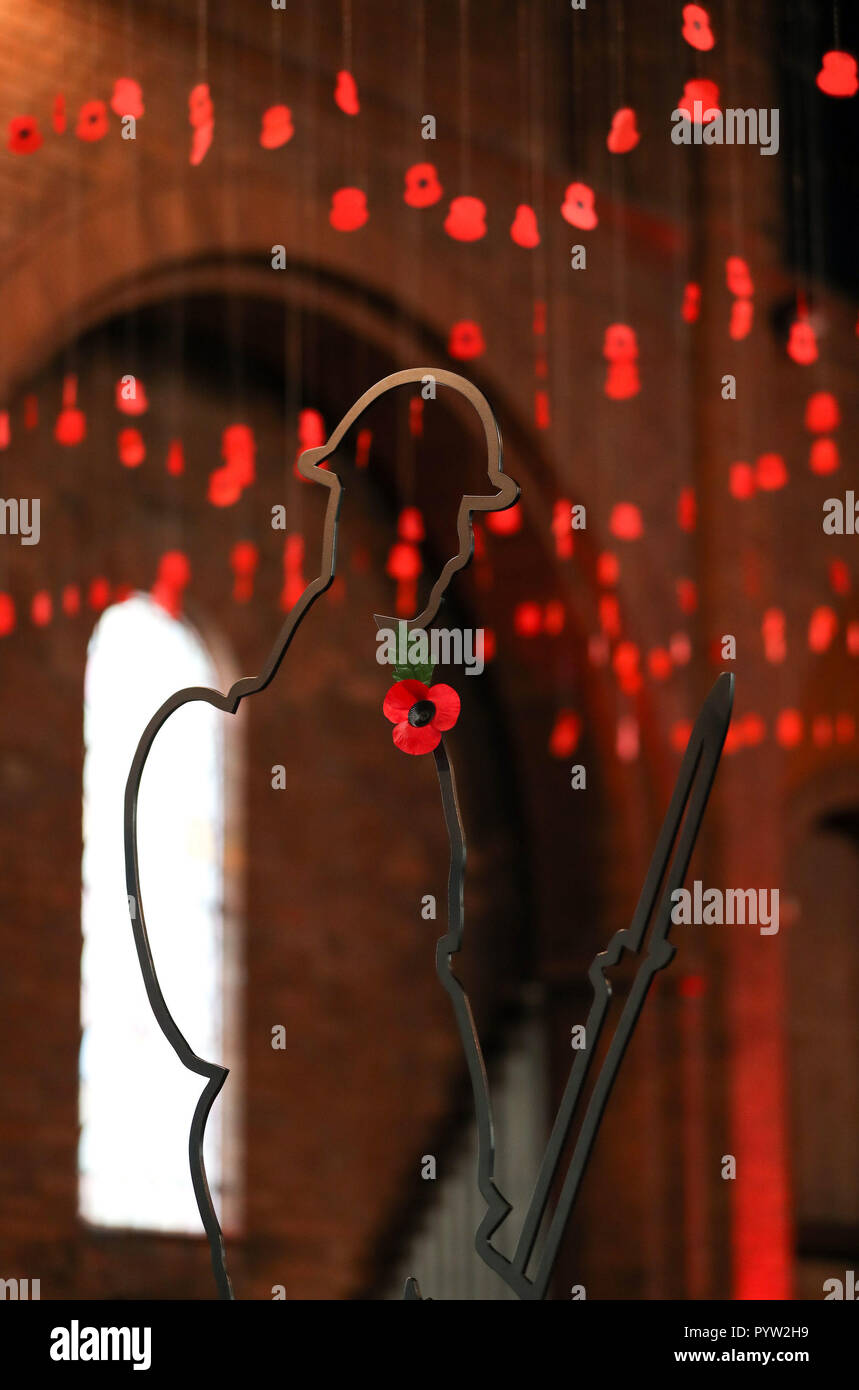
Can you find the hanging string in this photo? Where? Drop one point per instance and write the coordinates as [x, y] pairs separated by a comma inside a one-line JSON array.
[[464, 108]]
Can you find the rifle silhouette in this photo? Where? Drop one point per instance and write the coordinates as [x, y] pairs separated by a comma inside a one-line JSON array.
[[678, 835]]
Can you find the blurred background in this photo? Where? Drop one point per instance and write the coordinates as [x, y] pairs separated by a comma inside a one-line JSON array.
[[220, 223]]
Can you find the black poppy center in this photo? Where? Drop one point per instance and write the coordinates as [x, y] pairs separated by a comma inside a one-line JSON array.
[[421, 713]]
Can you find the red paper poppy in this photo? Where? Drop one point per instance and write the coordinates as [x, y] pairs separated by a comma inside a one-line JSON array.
[[404, 561], [42, 608], [224, 487], [625, 522], [175, 458], [687, 509], [24, 135], [346, 93], [201, 109], [466, 219], [5, 432], [578, 207], [174, 568], [201, 140], [837, 77], [71, 426], [565, 734], [92, 121], [738, 277], [696, 28], [622, 381], [7, 615], [770, 472], [410, 525], [132, 450], [127, 99], [98, 595], [705, 94], [277, 127], [524, 230], [822, 413], [623, 135], [466, 341], [71, 600], [802, 343], [238, 450], [420, 715], [507, 522], [691, 303], [620, 343], [348, 209], [824, 457], [422, 186], [742, 314]]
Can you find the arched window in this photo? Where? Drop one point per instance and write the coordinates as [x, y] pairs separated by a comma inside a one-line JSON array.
[[136, 1099]]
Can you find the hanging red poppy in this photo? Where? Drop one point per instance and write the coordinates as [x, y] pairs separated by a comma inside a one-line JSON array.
[[623, 135], [565, 735], [741, 483], [98, 595], [578, 207], [410, 525], [789, 728], [466, 341], [346, 93], [620, 343], [802, 343], [742, 314], [561, 529], [687, 509], [70, 428], [420, 714], [738, 277], [127, 99], [822, 627], [700, 101], [42, 608], [837, 76], [175, 458], [824, 457], [691, 303], [7, 615], [244, 560], [839, 577], [422, 186], [528, 619], [224, 487], [365, 439], [348, 209], [659, 663], [505, 523], [770, 472], [625, 521], [92, 121], [822, 413], [524, 230], [466, 219], [24, 136], [696, 28], [132, 449], [71, 600], [5, 432], [277, 127], [608, 569]]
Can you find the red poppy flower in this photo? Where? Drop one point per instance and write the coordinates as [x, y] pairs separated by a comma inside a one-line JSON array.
[[346, 93], [524, 229], [422, 186], [127, 99], [277, 127], [420, 715], [466, 340], [466, 219], [578, 207], [24, 135], [92, 121]]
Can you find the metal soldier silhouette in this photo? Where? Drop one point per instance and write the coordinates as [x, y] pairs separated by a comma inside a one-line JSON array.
[[646, 937]]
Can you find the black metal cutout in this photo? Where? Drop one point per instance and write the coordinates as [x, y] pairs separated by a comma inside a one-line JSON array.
[[678, 835], [310, 466]]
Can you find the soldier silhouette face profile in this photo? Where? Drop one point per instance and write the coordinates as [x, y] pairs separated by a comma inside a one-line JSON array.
[[310, 466]]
